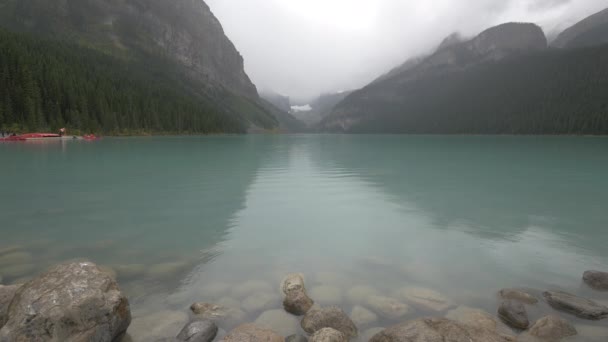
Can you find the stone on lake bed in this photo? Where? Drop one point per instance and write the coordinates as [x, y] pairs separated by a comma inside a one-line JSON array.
[[293, 282], [362, 316], [229, 302], [437, 329], [387, 307], [161, 324], [297, 302], [426, 299], [369, 333], [223, 316], [279, 321], [552, 328], [514, 314], [296, 338], [329, 317], [578, 306], [71, 301], [250, 287], [253, 333], [328, 335], [359, 294], [519, 295], [259, 302], [198, 331], [592, 332], [596, 280], [472, 316], [326, 295]]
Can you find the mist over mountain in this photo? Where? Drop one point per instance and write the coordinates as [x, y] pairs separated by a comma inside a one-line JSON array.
[[504, 81]]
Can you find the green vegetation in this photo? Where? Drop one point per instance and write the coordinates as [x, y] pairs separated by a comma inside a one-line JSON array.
[[48, 84], [548, 92]]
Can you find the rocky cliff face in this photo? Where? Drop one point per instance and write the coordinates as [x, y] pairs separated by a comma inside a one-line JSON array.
[[510, 37], [592, 30], [184, 31]]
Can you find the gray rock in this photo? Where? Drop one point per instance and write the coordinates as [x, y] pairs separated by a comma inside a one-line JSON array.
[[552, 328], [596, 280], [258, 302], [253, 333], [329, 317], [514, 314], [198, 331], [6, 296], [426, 299], [362, 317], [158, 324], [279, 321], [437, 330], [73, 301], [296, 338], [293, 282], [297, 302], [580, 307], [519, 295], [328, 335], [226, 317], [387, 307]]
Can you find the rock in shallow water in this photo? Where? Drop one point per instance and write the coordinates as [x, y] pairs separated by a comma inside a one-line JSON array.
[[360, 293], [426, 299], [329, 317], [387, 307], [361, 316], [328, 335], [279, 321], [6, 296], [596, 280], [73, 301], [519, 295], [474, 317], [552, 328], [223, 316], [258, 302], [578, 306], [198, 331], [437, 330], [160, 324], [296, 338], [514, 314], [293, 282], [252, 333], [297, 302]]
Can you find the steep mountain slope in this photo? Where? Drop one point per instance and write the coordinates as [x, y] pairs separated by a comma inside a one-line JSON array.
[[592, 30], [180, 41], [321, 107], [501, 82]]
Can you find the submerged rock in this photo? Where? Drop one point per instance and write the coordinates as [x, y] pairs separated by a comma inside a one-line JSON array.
[[514, 314], [329, 317], [296, 338], [437, 329], [578, 306], [328, 335], [6, 296], [552, 328], [293, 282], [387, 307], [252, 333], [258, 302], [519, 295], [73, 301], [360, 293], [297, 302], [426, 299], [279, 321], [161, 324], [226, 317], [361, 316], [198, 331], [596, 280], [592, 332], [474, 317]]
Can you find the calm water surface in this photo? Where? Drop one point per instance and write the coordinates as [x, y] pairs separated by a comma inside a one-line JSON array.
[[222, 219]]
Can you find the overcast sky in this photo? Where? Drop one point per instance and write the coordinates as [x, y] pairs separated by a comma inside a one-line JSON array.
[[302, 48]]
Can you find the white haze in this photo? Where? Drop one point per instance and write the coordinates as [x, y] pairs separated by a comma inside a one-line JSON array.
[[302, 48]]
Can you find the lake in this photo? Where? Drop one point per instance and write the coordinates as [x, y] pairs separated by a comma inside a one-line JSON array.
[[222, 219]]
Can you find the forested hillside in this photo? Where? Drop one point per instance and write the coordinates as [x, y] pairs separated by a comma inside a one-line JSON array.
[[48, 84], [543, 92]]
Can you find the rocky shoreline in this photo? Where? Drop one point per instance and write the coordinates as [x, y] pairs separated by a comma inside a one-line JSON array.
[[79, 301]]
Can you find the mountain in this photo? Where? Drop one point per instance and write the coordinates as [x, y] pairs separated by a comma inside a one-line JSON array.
[[504, 81], [593, 30], [279, 101], [321, 107], [180, 42]]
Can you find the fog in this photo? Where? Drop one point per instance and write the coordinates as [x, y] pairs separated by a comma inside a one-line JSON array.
[[302, 48]]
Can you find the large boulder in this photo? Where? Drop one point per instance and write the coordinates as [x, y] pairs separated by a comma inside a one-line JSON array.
[[297, 302], [328, 335], [329, 317], [552, 328], [437, 330], [514, 314], [581, 307], [6, 296], [596, 280], [74, 301], [253, 333], [198, 331], [518, 295]]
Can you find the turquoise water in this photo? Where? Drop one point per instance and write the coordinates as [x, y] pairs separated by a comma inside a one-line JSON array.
[[185, 219]]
